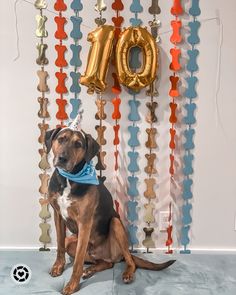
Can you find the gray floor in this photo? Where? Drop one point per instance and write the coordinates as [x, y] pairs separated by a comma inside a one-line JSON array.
[[191, 275]]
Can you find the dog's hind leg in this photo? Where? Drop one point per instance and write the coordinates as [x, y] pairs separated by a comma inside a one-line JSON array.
[[100, 265], [118, 232], [71, 244]]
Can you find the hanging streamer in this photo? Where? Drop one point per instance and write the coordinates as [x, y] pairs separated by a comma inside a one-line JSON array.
[[133, 142], [151, 119], [99, 80], [75, 61], [175, 66], [117, 6], [43, 114], [61, 62], [190, 120]]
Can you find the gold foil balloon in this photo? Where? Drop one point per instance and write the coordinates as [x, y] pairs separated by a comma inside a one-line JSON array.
[[98, 58], [136, 37]]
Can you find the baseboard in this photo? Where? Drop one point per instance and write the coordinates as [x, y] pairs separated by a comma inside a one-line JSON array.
[[141, 250]]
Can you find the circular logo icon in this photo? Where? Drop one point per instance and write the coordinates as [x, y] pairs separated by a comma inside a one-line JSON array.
[[21, 274]]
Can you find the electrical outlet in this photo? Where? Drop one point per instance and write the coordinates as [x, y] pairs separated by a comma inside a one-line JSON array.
[[163, 220]]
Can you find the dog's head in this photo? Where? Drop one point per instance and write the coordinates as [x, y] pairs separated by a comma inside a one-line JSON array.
[[70, 147]]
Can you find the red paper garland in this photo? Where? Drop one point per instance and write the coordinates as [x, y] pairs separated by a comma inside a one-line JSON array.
[[61, 62], [175, 66]]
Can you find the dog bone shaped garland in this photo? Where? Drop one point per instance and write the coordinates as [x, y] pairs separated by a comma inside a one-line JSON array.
[[151, 144], [61, 62], [76, 61], [117, 20], [174, 93], [43, 114], [100, 6], [133, 130], [189, 120]]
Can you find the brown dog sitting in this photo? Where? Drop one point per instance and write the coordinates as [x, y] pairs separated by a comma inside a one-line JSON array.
[[86, 209]]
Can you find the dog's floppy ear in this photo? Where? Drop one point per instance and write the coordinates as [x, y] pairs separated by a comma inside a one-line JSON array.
[[92, 147], [50, 135]]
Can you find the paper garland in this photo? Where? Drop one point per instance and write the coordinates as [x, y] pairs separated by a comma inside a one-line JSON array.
[[189, 121], [117, 20], [100, 6], [151, 118], [75, 61], [43, 114], [61, 62], [133, 141], [175, 66]]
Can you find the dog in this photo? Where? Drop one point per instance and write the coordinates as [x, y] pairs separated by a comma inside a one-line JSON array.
[[98, 235]]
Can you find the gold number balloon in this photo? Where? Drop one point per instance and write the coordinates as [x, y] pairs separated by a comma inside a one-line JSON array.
[[136, 37], [98, 58]]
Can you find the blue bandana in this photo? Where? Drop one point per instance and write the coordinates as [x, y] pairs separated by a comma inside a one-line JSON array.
[[87, 175]]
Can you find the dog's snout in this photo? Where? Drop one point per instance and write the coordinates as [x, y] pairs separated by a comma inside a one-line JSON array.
[[62, 159]]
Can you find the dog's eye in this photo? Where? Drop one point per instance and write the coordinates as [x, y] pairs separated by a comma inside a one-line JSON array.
[[78, 144], [61, 139]]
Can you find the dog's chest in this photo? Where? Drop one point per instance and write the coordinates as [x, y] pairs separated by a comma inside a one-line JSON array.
[[64, 201]]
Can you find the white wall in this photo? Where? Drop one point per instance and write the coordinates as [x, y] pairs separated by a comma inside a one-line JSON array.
[[214, 205]]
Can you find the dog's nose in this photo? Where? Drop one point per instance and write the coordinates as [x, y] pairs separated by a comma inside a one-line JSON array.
[[62, 159]]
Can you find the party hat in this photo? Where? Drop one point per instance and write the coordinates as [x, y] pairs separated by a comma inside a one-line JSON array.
[[75, 125]]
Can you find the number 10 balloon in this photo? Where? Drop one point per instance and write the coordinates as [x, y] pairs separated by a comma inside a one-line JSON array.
[[100, 52]]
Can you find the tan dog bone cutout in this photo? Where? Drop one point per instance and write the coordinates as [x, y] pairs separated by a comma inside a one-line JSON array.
[[150, 193], [43, 75], [43, 112], [100, 130], [42, 60], [101, 162], [151, 142], [150, 168], [152, 91], [149, 217], [43, 164], [40, 4], [44, 183], [43, 129], [151, 116], [148, 241], [100, 115], [44, 238], [44, 213], [41, 31]]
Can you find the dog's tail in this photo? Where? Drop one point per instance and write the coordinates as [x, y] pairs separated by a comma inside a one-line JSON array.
[[141, 263]]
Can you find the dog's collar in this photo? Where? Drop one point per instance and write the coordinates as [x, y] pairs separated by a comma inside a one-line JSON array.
[[85, 176]]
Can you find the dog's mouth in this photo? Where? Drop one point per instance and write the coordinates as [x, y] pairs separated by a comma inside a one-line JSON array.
[[65, 165]]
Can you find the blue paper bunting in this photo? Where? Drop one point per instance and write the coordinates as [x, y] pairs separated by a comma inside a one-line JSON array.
[[195, 9], [134, 115], [188, 165], [75, 61], [75, 103], [192, 65], [187, 189], [132, 213], [188, 134], [133, 165], [133, 141], [190, 118], [76, 5], [191, 91], [132, 231], [194, 27], [136, 8], [132, 187]]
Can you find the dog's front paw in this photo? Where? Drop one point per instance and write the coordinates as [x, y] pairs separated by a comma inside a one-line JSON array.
[[70, 288], [128, 277], [57, 269]]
